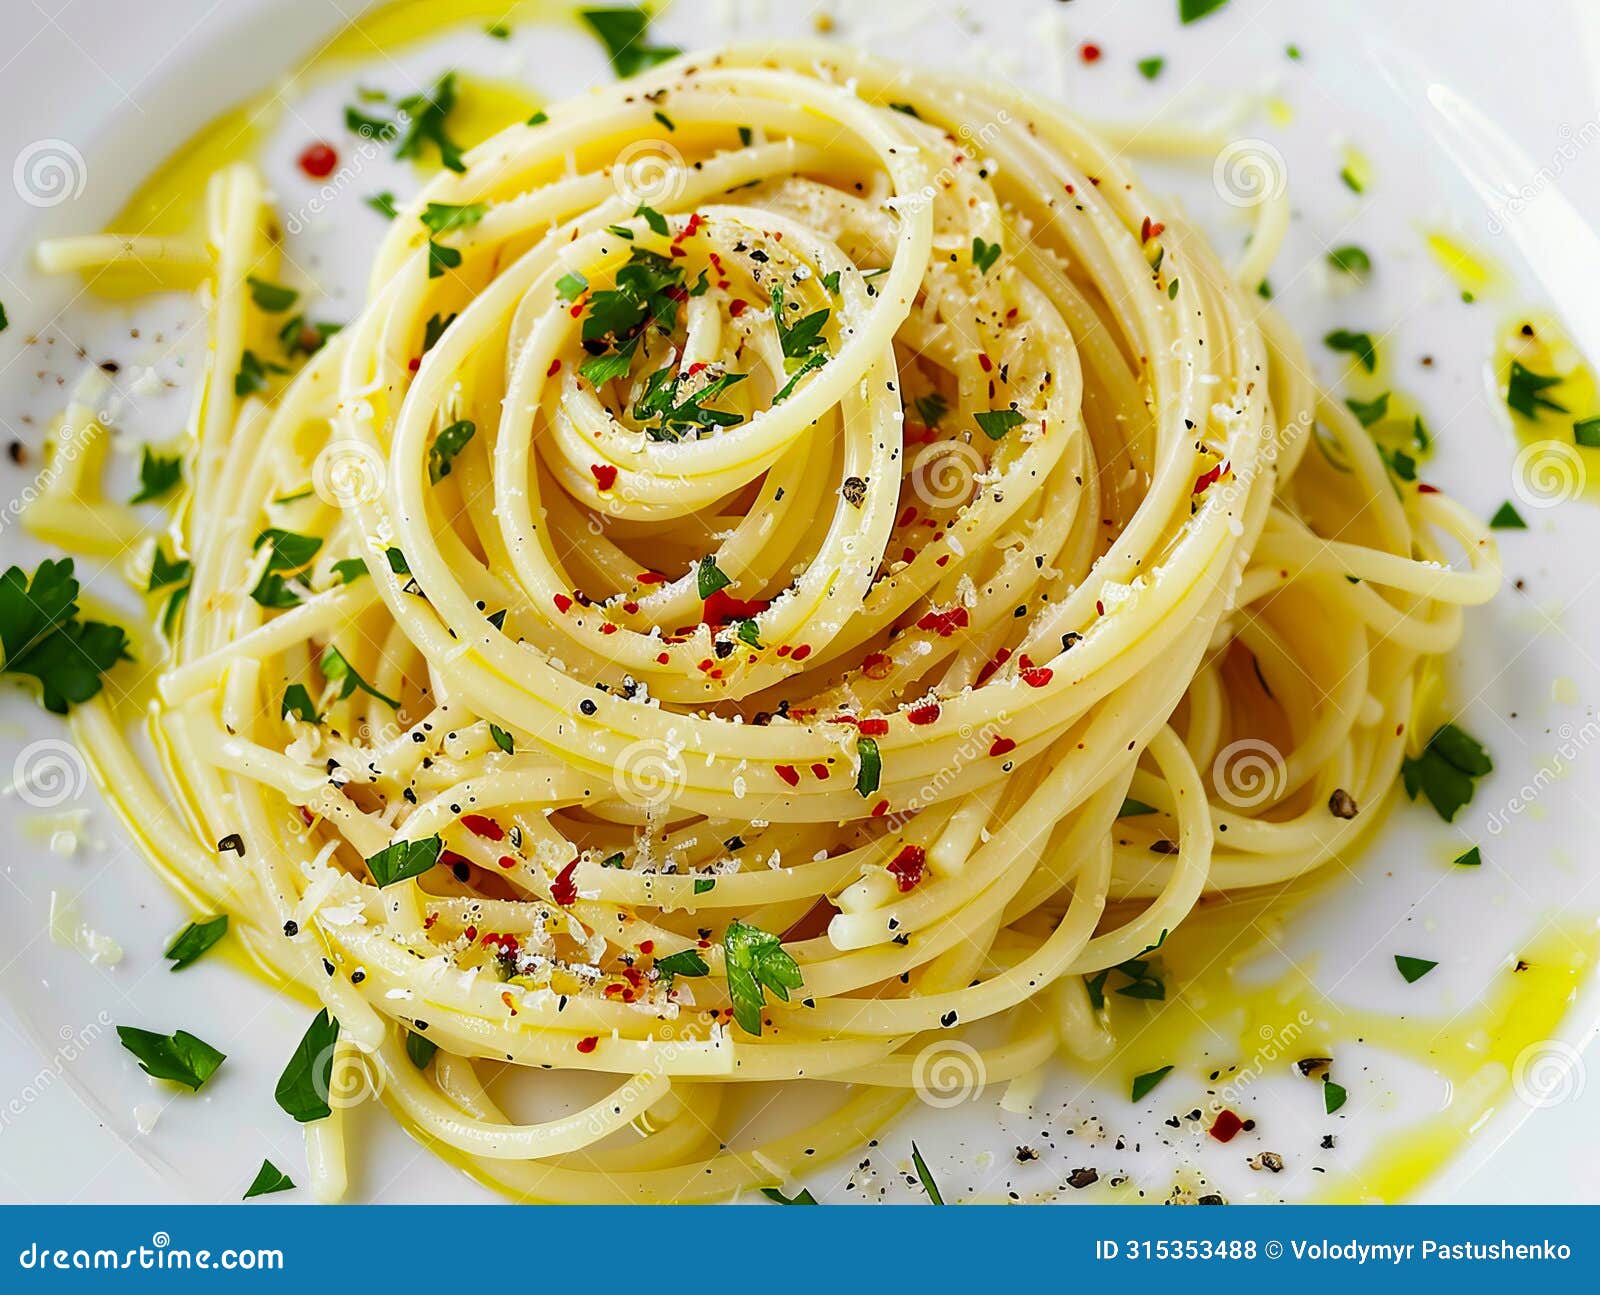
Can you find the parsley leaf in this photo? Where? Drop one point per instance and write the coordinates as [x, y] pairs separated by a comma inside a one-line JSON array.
[[441, 258], [403, 860], [870, 770], [984, 255], [1507, 518], [1142, 1084], [756, 961], [297, 702], [623, 31], [194, 940], [290, 550], [273, 298], [420, 1049], [1446, 770], [1413, 969], [442, 217], [799, 339], [164, 573], [428, 113], [1333, 1096], [383, 204], [336, 668], [1357, 344], [926, 1178], [1194, 10], [446, 445], [158, 473], [43, 637], [996, 423], [802, 1197], [931, 408], [502, 739], [1372, 411], [180, 1057], [688, 962], [1350, 260], [303, 1087], [1525, 388], [253, 374], [1150, 68], [269, 1178], [709, 577]]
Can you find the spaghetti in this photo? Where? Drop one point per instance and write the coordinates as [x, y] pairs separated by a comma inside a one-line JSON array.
[[799, 561]]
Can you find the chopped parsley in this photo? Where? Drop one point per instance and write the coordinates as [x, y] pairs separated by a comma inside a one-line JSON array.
[[158, 473], [336, 668], [446, 445], [1372, 411], [569, 287], [273, 298], [1413, 969], [802, 1197], [1132, 808], [297, 702], [996, 423], [195, 939], [164, 572], [269, 1179], [1525, 391], [984, 255], [403, 860], [1446, 771], [180, 1056], [924, 1177], [254, 373], [442, 217], [291, 551], [660, 401], [931, 408], [1194, 10], [709, 577], [303, 1087], [685, 963], [1142, 1084], [1350, 259], [441, 258], [623, 32], [1472, 858], [870, 766], [428, 114], [801, 338], [1333, 1096], [502, 739], [756, 961], [1507, 518], [43, 638], [1587, 433], [383, 204], [1357, 344], [420, 1049], [1150, 68]]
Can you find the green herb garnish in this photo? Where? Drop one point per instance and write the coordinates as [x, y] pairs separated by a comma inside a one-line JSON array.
[[180, 1057]]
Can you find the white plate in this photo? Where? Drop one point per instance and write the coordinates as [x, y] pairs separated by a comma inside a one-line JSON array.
[[108, 93]]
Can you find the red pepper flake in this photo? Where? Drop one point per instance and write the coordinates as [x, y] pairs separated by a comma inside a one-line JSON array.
[[1100, 607], [608, 628], [505, 997], [1151, 229], [588, 1045], [874, 727], [1037, 676], [737, 307], [503, 943], [1002, 746], [984, 362], [647, 946], [1000, 658], [450, 858], [1226, 1126], [564, 889], [945, 623], [649, 578], [563, 603], [1208, 478], [555, 368], [722, 607], [802, 652], [506, 861], [907, 866], [481, 826], [663, 657], [880, 809], [1089, 52], [819, 771], [925, 713], [1423, 488], [318, 160], [605, 474], [941, 559], [429, 920], [471, 933], [877, 665], [789, 774], [415, 364]]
